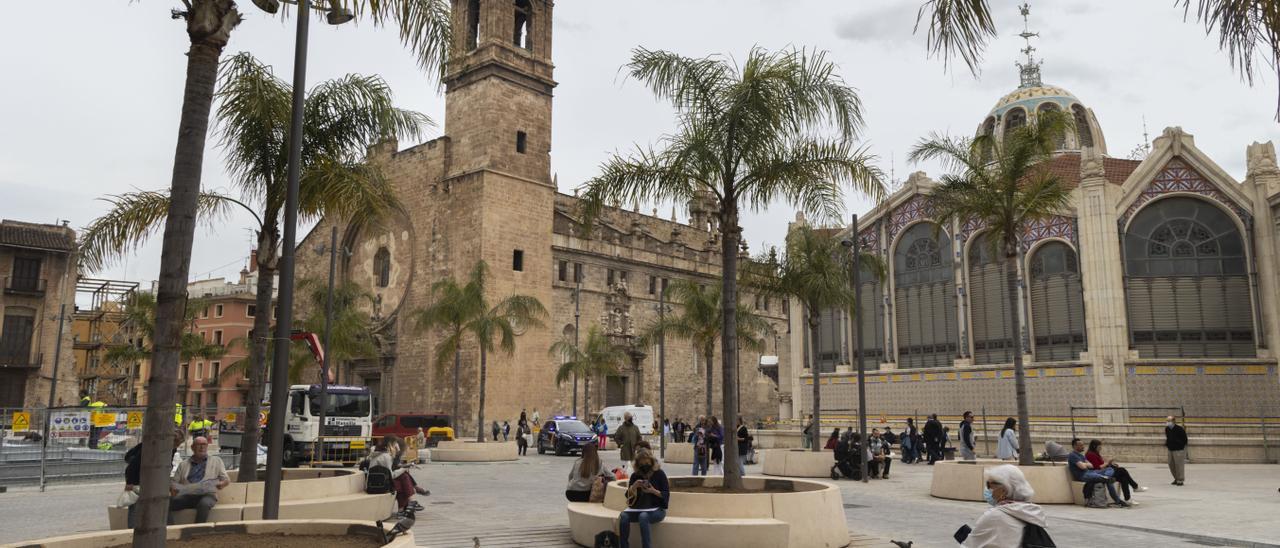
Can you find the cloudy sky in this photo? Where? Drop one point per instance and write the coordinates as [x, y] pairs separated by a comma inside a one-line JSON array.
[[91, 95]]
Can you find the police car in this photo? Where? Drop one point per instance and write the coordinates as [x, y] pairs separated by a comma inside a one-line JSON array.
[[564, 435]]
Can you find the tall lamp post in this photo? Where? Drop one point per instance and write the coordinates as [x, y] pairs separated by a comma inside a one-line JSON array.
[[577, 313], [662, 373], [855, 273], [284, 321]]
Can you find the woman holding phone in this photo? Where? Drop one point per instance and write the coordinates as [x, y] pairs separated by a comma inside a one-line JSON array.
[[647, 496]]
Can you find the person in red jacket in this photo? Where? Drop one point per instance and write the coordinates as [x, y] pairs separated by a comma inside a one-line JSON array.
[[1095, 458]]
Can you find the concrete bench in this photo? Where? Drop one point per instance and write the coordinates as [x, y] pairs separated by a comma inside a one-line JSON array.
[[315, 494], [589, 519]]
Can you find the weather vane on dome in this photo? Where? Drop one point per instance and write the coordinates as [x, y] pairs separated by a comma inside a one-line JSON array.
[[1029, 71]]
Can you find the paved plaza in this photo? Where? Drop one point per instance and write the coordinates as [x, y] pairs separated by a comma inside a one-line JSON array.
[[522, 504]]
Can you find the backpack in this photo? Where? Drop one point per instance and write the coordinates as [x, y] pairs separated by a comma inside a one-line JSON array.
[[1095, 495], [377, 480], [1034, 536]]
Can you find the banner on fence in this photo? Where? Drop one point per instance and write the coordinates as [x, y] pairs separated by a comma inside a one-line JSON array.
[[69, 424], [105, 419], [135, 420], [21, 421]]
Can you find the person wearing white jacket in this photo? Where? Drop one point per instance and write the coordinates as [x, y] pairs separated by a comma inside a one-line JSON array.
[[1007, 448], [1003, 525], [197, 481]]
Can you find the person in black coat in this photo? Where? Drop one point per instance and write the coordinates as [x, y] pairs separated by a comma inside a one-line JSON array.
[[934, 437], [648, 494], [1175, 440]]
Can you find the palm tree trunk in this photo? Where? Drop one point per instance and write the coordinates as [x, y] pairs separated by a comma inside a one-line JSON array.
[[709, 356], [816, 431], [267, 242], [457, 367], [209, 25], [483, 371], [729, 337], [1025, 454]]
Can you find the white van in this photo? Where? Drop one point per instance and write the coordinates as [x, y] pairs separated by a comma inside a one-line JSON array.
[[642, 415]]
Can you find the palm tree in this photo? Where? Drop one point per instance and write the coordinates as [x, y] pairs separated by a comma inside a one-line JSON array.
[[342, 116], [964, 27], [815, 270], [597, 358], [1005, 186], [700, 322], [424, 28], [462, 310], [454, 306], [350, 337], [748, 134]]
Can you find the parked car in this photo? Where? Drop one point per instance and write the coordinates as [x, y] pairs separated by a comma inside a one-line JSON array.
[[436, 426], [564, 435]]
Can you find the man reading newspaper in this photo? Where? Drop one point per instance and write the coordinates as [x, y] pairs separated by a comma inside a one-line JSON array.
[[197, 481]]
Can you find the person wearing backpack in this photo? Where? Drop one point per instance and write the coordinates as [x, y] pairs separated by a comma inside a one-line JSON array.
[[1012, 521], [382, 474]]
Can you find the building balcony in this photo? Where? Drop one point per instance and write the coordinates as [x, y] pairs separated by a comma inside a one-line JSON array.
[[21, 361], [27, 287]]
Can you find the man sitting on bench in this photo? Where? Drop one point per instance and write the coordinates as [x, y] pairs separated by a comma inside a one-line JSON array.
[[1081, 470], [197, 481]]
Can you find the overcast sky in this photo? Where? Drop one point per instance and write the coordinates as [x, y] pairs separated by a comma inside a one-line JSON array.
[[92, 88]]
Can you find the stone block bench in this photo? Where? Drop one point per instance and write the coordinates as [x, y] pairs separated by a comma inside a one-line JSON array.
[[305, 493], [471, 451], [797, 513], [798, 463], [963, 480], [338, 530]]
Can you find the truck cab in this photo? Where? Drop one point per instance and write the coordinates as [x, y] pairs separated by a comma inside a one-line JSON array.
[[347, 429]]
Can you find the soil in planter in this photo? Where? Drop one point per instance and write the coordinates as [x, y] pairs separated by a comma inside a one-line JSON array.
[[238, 540]]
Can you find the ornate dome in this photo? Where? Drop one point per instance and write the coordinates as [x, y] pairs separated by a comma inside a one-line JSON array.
[[1031, 98], [1023, 104]]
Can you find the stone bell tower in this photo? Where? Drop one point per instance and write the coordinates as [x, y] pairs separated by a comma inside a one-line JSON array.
[[497, 184]]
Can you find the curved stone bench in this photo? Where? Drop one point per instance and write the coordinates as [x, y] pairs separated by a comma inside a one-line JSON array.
[[305, 493], [471, 451], [812, 515], [799, 463], [679, 453], [962, 480], [339, 529]]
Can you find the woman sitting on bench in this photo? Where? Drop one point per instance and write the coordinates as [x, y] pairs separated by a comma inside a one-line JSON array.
[[1094, 455]]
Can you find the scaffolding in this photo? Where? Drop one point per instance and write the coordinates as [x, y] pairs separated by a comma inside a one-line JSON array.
[[99, 326]]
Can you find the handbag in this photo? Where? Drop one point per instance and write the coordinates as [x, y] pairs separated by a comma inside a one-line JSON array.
[[127, 498], [597, 490]]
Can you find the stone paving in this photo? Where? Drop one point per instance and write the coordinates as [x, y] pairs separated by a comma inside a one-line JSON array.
[[522, 504]]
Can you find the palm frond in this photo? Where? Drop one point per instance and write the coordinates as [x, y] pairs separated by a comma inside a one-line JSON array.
[[1244, 28], [132, 219], [958, 28]]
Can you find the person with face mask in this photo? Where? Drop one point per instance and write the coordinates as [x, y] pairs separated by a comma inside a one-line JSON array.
[[648, 494], [1175, 440], [1006, 523]]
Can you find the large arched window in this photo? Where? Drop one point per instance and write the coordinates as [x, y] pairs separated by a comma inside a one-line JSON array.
[[1187, 283], [1084, 137], [522, 35], [1050, 106], [989, 305], [832, 348], [1057, 304], [989, 130], [871, 316], [382, 267], [1015, 118], [924, 299]]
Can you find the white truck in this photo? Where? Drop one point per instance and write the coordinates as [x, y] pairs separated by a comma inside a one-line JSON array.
[[641, 415], [348, 426]]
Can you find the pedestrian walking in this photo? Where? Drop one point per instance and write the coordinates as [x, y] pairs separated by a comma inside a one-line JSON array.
[[934, 437], [1007, 448], [967, 440], [911, 443], [1175, 440], [627, 436], [522, 440], [495, 429], [744, 446], [506, 430], [715, 440], [701, 452], [808, 432]]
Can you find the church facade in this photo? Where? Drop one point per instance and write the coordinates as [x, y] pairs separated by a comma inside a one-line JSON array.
[[485, 192], [1156, 291]]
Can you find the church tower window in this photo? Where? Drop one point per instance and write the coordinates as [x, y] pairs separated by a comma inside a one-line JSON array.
[[522, 37], [473, 24], [522, 140], [382, 267]]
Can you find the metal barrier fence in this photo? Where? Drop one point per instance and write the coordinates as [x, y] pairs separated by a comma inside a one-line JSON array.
[[83, 443]]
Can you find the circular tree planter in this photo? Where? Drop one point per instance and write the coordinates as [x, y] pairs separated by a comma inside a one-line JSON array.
[[962, 480], [241, 533], [799, 463], [768, 513], [472, 451]]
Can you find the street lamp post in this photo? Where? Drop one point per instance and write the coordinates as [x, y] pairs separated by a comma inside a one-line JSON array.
[[284, 320], [852, 243], [577, 296], [662, 374]]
